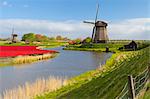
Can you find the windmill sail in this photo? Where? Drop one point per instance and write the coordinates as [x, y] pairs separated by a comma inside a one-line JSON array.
[[93, 33], [88, 22], [12, 31], [97, 13]]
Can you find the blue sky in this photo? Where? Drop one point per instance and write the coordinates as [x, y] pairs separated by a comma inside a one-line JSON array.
[[72, 13], [74, 9]]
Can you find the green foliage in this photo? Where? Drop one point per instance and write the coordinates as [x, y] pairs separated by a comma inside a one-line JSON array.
[[52, 38], [62, 38], [78, 41], [44, 39], [87, 40], [31, 37], [143, 44], [28, 37]]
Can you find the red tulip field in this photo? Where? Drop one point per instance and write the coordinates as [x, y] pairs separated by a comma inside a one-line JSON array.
[[12, 51]]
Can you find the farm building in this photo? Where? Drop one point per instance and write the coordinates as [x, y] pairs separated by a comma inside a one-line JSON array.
[[131, 46]]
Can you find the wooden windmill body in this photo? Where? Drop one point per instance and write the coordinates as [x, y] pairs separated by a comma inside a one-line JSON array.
[[99, 34]]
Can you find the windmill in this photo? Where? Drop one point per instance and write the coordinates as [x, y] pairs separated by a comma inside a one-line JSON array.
[[14, 36], [99, 33]]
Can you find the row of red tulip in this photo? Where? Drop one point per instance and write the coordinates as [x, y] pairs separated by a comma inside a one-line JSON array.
[[12, 51]]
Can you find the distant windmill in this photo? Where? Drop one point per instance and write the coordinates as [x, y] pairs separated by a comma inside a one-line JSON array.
[[99, 33], [14, 36]]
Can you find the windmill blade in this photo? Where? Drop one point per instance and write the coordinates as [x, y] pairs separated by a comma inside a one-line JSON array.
[[93, 33], [12, 31], [97, 13], [88, 22]]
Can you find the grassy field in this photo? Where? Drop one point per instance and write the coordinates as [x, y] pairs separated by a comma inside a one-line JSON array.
[[94, 47], [51, 44], [112, 45], [106, 82], [147, 93]]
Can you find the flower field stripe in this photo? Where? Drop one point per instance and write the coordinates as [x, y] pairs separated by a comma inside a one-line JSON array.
[[12, 51]]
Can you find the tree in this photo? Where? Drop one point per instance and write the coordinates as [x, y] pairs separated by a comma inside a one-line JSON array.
[[87, 40], [28, 37], [45, 38], [38, 37], [66, 39], [78, 41], [72, 42], [51, 38]]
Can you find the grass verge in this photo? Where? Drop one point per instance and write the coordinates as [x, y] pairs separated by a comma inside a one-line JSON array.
[[25, 59], [30, 59], [51, 44]]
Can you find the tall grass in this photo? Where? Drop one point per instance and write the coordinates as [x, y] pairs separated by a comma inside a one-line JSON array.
[[28, 91], [30, 59]]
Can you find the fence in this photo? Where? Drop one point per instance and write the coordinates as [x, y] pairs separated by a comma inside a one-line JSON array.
[[134, 85]]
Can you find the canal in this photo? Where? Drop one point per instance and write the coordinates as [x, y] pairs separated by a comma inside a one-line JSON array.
[[67, 64]]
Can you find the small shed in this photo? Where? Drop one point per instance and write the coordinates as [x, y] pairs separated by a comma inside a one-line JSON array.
[[131, 46]]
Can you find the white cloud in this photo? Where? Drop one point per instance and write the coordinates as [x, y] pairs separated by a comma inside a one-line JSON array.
[[126, 29], [53, 28], [5, 3], [138, 28]]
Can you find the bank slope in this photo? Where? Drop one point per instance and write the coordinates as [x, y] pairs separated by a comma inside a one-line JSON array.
[[107, 82]]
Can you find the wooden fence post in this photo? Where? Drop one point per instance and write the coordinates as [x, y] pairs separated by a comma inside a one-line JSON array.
[[131, 87], [149, 71]]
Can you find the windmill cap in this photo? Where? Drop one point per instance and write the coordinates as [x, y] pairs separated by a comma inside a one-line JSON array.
[[101, 23], [14, 34]]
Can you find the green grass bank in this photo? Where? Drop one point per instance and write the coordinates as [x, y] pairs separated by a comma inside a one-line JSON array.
[[106, 82], [112, 45]]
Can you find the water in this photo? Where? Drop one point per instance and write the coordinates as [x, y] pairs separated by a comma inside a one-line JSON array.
[[66, 64]]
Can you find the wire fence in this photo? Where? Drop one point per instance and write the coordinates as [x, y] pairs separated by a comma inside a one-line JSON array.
[[134, 85]]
